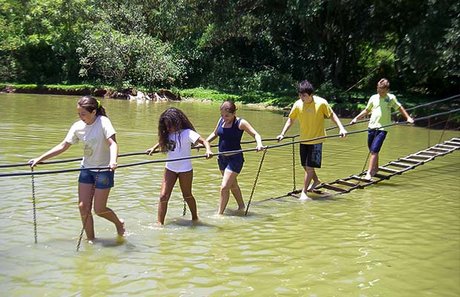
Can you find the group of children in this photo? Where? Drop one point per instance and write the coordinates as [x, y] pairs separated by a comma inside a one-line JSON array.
[[177, 135]]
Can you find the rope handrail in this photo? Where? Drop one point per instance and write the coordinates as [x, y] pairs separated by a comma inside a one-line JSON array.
[[66, 160], [215, 145], [120, 155], [218, 153], [243, 142], [434, 102]]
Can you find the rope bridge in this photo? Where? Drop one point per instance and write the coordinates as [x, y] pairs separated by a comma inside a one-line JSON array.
[[337, 187]]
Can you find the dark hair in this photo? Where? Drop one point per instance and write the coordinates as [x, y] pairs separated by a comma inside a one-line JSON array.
[[171, 117], [90, 103], [228, 106], [305, 87]]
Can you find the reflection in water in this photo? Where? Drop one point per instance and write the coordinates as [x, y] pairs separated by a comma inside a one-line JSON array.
[[398, 238]]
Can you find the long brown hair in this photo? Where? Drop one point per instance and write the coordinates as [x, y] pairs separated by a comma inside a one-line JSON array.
[[171, 117], [90, 103]]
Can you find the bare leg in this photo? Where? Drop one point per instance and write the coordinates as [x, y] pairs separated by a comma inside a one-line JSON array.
[[185, 182], [310, 175], [169, 179], [229, 182], [100, 208], [85, 200], [373, 165]]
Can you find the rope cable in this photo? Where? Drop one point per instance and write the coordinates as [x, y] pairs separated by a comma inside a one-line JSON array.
[[34, 205], [255, 182], [222, 153]]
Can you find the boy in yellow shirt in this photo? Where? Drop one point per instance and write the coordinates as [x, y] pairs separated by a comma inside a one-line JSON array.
[[311, 111]]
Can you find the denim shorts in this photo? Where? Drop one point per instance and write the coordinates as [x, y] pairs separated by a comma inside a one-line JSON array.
[[311, 155], [102, 179], [375, 140], [233, 163]]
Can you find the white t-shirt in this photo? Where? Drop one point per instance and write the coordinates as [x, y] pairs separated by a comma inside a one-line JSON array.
[[96, 151], [180, 147]]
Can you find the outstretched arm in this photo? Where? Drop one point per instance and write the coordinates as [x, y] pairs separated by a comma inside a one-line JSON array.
[[58, 149], [336, 120], [286, 127], [153, 149], [210, 138], [404, 113], [244, 125], [359, 116], [206, 144]]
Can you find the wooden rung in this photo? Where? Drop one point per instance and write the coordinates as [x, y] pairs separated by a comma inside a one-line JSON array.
[[381, 176], [438, 150], [333, 188], [409, 160], [428, 153], [416, 156], [386, 169], [446, 147], [360, 178], [346, 183], [402, 165], [451, 143]]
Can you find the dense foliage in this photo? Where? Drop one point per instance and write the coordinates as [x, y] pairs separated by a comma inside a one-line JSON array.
[[238, 46]]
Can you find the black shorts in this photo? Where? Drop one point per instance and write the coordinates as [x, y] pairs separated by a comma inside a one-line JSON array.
[[311, 155]]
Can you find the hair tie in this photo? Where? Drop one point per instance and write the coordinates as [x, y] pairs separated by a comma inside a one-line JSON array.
[[98, 104]]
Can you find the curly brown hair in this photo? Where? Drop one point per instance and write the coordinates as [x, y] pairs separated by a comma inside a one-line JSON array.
[[171, 117]]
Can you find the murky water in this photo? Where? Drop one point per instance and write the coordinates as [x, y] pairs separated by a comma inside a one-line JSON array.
[[400, 237]]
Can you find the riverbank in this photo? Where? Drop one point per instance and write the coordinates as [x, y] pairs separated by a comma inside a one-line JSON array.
[[256, 99], [345, 105]]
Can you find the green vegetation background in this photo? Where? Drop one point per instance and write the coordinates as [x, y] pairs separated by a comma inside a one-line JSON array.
[[249, 51]]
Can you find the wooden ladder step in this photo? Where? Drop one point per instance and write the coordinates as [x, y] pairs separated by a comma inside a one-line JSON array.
[[347, 183], [441, 150], [434, 154], [451, 143], [381, 176], [386, 169], [446, 147], [417, 156], [409, 160], [401, 165], [361, 179], [333, 188]]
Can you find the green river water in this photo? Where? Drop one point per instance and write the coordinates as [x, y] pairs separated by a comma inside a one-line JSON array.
[[400, 237]]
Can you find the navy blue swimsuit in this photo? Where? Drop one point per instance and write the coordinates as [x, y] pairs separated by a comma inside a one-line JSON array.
[[230, 140]]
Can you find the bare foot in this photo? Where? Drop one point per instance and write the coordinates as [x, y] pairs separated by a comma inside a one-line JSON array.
[[313, 185], [241, 209], [368, 176], [304, 197], [121, 228]]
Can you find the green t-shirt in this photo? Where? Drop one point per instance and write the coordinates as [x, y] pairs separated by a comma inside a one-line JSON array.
[[380, 109]]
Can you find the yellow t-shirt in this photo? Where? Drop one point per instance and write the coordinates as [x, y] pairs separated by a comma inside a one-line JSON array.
[[311, 118]]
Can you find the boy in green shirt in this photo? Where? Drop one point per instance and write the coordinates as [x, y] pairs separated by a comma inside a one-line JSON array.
[[380, 106]]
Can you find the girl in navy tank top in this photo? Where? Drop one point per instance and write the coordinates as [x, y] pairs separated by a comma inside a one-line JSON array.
[[230, 129]]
